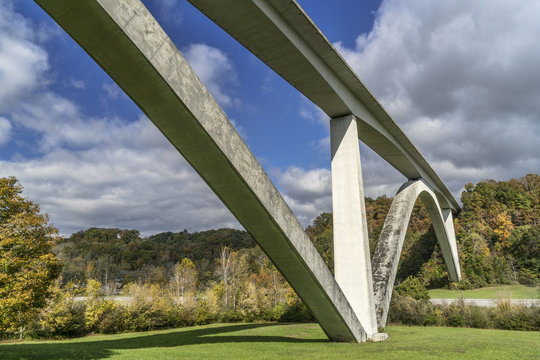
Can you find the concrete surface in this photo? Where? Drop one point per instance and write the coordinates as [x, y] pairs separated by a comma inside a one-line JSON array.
[[387, 253], [352, 265], [281, 34], [127, 42]]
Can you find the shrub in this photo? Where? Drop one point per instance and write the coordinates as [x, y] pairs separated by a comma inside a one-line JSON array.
[[279, 311], [513, 317], [204, 315], [113, 321], [527, 277], [104, 316], [149, 309], [406, 310], [412, 287], [62, 317], [478, 317], [454, 316]]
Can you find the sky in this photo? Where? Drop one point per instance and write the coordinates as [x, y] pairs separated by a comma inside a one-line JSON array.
[[462, 79]]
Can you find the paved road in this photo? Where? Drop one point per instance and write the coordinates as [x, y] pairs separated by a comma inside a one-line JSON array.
[[487, 302], [477, 302]]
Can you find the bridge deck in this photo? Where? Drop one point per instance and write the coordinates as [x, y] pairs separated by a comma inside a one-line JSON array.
[[281, 34]]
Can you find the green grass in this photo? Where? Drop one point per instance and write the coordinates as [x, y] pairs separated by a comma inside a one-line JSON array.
[[283, 341], [492, 292]]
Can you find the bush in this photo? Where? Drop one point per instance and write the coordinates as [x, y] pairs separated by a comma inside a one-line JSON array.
[[231, 316], [98, 310], [406, 310], [512, 317], [279, 311], [527, 277], [455, 316], [150, 308], [412, 287], [478, 317], [204, 315], [62, 317]]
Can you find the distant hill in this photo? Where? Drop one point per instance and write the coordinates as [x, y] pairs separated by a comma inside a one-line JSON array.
[[124, 256], [498, 235]]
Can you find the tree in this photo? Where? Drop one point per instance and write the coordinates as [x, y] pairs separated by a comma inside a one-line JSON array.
[[184, 278], [232, 269], [226, 264], [27, 266]]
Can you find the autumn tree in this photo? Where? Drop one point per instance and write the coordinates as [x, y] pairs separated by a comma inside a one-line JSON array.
[[27, 265], [184, 278], [225, 267], [232, 270]]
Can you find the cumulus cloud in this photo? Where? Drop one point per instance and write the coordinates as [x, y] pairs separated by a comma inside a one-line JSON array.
[[5, 130], [97, 171], [22, 63], [104, 172], [215, 70], [307, 192], [462, 80]]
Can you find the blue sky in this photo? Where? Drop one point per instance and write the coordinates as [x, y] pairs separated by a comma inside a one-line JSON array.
[[462, 80]]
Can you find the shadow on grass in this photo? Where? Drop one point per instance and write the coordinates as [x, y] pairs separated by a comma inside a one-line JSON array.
[[102, 349]]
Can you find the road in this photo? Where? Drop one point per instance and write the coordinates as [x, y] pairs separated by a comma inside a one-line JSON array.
[[487, 302]]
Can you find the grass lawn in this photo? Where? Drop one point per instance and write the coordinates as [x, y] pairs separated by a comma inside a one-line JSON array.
[[492, 292], [283, 341]]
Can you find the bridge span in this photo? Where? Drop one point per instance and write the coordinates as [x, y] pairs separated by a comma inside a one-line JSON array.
[[129, 44]]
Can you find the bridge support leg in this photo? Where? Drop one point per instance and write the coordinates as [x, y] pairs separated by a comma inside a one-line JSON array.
[[351, 243], [387, 253]]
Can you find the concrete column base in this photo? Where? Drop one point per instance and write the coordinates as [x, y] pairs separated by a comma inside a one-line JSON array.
[[378, 337]]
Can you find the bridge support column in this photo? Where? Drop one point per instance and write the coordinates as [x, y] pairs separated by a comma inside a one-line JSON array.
[[351, 243]]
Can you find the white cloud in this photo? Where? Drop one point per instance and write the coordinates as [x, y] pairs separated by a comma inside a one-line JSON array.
[[306, 184], [313, 113], [307, 192], [87, 171], [462, 80], [130, 177], [5, 130], [22, 63], [77, 84], [169, 12], [112, 90], [215, 70]]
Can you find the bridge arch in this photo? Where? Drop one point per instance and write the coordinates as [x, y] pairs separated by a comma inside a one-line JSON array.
[[386, 257]]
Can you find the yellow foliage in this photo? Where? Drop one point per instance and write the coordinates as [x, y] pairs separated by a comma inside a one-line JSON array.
[[503, 228]]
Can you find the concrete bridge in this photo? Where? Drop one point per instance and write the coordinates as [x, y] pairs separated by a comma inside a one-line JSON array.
[[128, 43]]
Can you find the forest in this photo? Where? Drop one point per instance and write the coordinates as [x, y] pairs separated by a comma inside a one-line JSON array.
[[54, 286], [497, 230]]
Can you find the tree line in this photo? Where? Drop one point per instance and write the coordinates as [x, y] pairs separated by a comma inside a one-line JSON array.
[[223, 275]]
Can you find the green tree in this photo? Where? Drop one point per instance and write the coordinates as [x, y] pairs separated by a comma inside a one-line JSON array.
[[27, 266]]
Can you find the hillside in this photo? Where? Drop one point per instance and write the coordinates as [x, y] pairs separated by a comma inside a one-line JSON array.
[[498, 235]]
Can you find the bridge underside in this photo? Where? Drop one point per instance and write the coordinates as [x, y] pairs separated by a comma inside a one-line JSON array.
[[281, 34], [127, 42]]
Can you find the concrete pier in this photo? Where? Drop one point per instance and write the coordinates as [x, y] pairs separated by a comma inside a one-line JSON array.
[[351, 243]]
